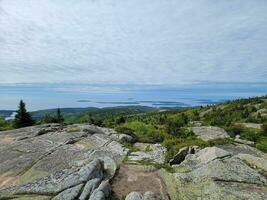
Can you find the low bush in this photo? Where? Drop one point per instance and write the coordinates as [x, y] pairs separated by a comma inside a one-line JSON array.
[[250, 134], [262, 144], [143, 132]]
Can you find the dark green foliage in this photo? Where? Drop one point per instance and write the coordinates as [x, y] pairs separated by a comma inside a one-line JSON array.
[[262, 144], [142, 132], [59, 117], [264, 129], [250, 134], [49, 118], [22, 118], [175, 122], [235, 129]]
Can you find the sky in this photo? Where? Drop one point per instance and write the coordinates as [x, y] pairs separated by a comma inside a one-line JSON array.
[[132, 41]]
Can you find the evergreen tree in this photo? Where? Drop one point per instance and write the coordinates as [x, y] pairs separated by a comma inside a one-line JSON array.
[[59, 118], [22, 118]]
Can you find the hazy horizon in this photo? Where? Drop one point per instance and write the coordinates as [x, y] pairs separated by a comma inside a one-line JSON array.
[[46, 96]]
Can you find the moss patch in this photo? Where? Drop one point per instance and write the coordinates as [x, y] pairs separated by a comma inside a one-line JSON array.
[[85, 144], [32, 175]]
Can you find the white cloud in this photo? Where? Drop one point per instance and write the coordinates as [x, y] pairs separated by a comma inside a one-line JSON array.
[[125, 41]]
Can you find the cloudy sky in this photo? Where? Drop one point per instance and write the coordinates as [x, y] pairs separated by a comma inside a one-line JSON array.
[[133, 41]]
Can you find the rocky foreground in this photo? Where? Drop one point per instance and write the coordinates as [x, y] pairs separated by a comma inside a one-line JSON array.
[[87, 162]]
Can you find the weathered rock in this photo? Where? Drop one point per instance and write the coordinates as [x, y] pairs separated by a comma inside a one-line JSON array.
[[247, 142], [251, 125], [211, 153], [182, 153], [89, 187], [195, 123], [254, 161], [61, 180], [155, 154], [147, 196], [213, 173], [102, 192], [69, 194], [97, 195], [151, 196], [134, 196], [236, 149], [123, 137], [210, 132]]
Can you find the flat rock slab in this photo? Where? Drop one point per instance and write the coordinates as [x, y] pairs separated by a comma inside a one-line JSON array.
[[28, 154], [209, 132], [148, 152]]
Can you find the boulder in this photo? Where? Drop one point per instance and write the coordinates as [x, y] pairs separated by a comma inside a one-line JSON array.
[[211, 153], [69, 194], [209, 132], [97, 195], [151, 196], [182, 153], [89, 187], [247, 142], [156, 154], [147, 196], [126, 138], [213, 173], [250, 125], [134, 196]]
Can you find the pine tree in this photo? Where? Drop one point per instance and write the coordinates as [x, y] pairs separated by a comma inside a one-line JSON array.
[[59, 118], [22, 118]]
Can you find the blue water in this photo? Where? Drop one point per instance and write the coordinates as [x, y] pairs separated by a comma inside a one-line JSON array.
[[44, 96]]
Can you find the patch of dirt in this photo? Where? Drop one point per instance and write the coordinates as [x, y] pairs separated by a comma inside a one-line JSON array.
[[128, 180], [8, 181], [7, 140]]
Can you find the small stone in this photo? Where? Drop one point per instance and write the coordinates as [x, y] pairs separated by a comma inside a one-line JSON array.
[[134, 196]]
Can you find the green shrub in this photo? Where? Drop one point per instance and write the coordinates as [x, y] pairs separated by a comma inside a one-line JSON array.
[[250, 134], [235, 129], [262, 144], [143, 132], [5, 125], [264, 129]]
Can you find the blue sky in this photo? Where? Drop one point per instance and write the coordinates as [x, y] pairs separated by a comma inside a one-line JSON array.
[[132, 41]]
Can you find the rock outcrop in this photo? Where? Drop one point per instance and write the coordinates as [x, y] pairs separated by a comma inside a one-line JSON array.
[[77, 161], [150, 152], [182, 153], [214, 173], [209, 132], [147, 196]]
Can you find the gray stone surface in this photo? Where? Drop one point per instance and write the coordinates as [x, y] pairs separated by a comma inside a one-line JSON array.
[[241, 141], [147, 196], [45, 160], [253, 161], [214, 173], [134, 196], [154, 153], [182, 153], [69, 194], [210, 132], [89, 187], [251, 125], [151, 196]]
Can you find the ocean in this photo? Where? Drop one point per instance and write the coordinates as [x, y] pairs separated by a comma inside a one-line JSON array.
[[45, 96]]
